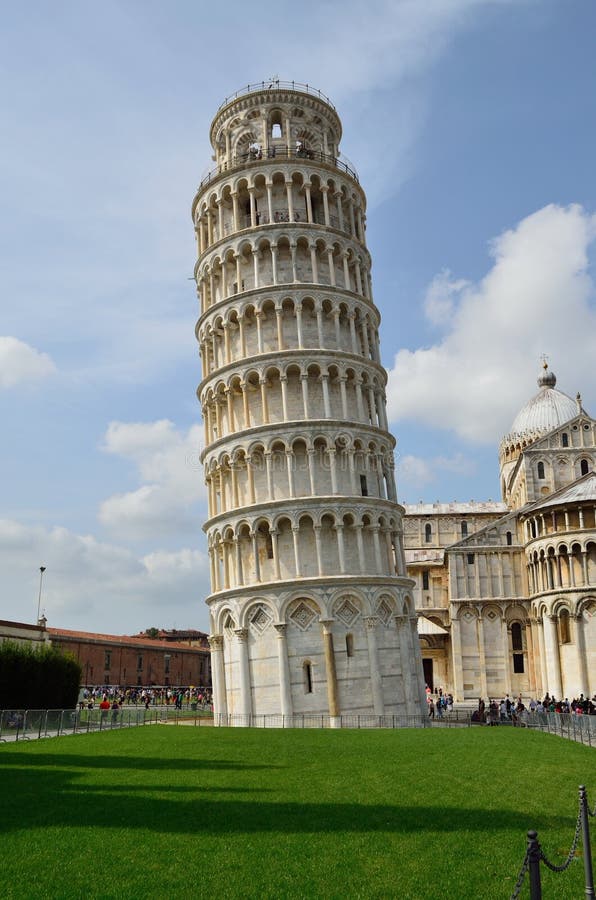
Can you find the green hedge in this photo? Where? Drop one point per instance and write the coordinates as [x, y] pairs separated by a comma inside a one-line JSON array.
[[37, 677]]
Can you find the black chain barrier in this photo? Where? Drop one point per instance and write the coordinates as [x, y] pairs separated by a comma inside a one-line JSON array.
[[535, 854]]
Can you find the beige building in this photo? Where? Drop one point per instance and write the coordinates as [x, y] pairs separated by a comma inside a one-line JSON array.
[[311, 611], [506, 592]]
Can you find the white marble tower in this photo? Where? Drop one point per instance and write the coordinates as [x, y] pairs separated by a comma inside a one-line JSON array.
[[311, 610]]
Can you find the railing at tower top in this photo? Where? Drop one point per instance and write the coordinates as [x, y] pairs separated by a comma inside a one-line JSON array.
[[277, 151], [274, 84]]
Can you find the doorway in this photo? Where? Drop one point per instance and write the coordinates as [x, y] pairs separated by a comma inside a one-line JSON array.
[[427, 665]]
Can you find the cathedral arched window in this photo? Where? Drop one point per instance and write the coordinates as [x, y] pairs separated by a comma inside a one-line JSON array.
[[541, 470], [564, 439], [584, 467], [516, 637], [428, 533], [517, 645]]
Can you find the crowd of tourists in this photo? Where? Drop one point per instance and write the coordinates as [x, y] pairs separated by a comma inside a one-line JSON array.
[[439, 706], [177, 697], [516, 712]]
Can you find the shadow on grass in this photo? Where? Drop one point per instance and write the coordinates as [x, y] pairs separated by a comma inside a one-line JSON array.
[[41, 798], [110, 762]]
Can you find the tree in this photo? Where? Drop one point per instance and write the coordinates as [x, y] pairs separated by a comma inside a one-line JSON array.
[[40, 677], [152, 632]]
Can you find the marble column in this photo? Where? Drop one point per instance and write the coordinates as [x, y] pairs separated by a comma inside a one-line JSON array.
[[219, 679], [553, 662], [332, 689], [285, 687], [244, 668]]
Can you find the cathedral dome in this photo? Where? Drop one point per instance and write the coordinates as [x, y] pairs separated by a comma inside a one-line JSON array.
[[548, 409]]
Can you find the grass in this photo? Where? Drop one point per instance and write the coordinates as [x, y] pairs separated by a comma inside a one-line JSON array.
[[186, 812]]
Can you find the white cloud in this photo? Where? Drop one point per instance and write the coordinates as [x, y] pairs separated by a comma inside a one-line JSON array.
[[537, 298], [19, 363], [168, 463], [441, 297], [416, 472], [374, 70], [97, 586]]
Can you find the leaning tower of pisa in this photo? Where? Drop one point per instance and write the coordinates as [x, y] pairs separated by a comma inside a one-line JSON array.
[[311, 611]]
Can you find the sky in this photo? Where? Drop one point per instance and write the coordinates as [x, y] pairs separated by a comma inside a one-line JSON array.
[[472, 126]]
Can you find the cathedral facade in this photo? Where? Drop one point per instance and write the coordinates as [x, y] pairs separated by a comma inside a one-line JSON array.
[[311, 608], [506, 592]]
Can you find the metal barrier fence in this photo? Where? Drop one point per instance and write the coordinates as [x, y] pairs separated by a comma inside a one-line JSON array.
[[27, 724], [535, 854], [305, 720], [568, 725]]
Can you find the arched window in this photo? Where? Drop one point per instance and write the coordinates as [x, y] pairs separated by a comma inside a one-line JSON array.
[[564, 628], [350, 644], [516, 637], [464, 529], [517, 645], [540, 470], [307, 678], [584, 466], [425, 581], [564, 439], [509, 537], [428, 533]]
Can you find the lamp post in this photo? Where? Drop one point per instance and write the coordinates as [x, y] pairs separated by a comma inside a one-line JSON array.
[[41, 571]]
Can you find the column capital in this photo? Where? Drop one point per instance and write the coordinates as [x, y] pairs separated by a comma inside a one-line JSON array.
[[370, 622], [241, 634], [281, 628], [216, 641], [327, 625]]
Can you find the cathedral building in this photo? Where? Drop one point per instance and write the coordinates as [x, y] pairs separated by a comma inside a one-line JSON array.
[[311, 609], [506, 592]]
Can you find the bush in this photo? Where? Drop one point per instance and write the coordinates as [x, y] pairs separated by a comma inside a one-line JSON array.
[[37, 677]]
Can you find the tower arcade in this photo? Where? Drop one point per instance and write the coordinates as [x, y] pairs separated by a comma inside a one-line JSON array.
[[311, 610]]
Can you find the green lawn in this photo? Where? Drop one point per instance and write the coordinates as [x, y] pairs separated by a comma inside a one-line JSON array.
[[168, 811]]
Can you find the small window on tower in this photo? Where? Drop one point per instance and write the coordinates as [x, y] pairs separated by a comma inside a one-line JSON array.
[[584, 467], [541, 470], [564, 630], [464, 529], [564, 439], [509, 539], [363, 486], [307, 678], [470, 559], [428, 533], [350, 644], [269, 545], [425, 581]]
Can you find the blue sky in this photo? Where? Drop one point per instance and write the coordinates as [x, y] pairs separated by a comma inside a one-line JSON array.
[[471, 123]]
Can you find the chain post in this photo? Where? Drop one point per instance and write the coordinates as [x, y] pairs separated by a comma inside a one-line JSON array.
[[534, 855], [589, 876]]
